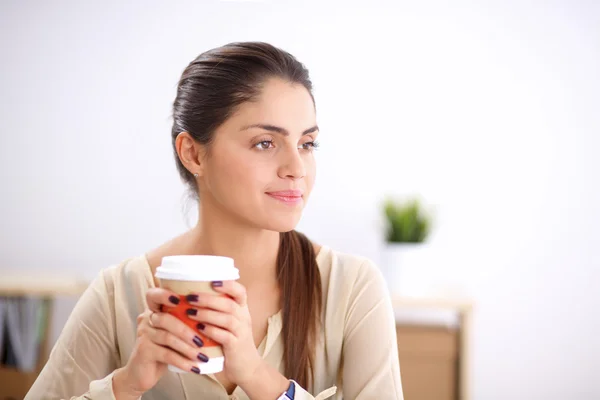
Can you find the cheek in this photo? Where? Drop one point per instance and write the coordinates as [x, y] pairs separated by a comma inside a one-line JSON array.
[[243, 179], [311, 174]]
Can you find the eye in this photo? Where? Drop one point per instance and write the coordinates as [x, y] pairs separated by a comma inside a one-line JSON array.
[[309, 145], [264, 145]]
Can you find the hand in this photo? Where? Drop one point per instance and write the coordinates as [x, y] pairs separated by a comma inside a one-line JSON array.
[[227, 321], [162, 339]]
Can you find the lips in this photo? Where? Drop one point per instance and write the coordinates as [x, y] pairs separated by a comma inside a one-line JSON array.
[[287, 193], [287, 196]]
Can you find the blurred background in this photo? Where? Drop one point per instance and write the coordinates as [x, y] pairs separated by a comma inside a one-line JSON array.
[[490, 112]]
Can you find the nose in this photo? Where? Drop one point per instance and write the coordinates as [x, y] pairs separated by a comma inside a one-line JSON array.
[[292, 165]]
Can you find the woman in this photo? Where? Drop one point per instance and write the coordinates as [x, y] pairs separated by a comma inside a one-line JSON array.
[[301, 320]]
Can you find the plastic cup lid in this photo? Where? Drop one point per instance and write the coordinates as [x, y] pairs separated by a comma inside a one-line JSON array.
[[197, 268]]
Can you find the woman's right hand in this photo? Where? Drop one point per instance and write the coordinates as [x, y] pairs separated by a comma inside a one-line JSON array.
[[161, 339]]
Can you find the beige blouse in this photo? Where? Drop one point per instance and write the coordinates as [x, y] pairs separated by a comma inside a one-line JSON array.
[[357, 357]]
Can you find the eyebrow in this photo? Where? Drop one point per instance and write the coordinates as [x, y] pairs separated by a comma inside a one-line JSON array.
[[278, 129]]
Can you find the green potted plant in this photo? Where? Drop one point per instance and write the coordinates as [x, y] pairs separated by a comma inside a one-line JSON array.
[[408, 222], [408, 225]]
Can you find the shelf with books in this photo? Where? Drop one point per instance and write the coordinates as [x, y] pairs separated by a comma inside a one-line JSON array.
[[26, 309]]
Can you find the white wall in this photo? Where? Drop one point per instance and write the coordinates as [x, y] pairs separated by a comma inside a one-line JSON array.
[[491, 113]]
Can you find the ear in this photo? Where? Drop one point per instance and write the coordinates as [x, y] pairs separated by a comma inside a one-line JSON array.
[[190, 152]]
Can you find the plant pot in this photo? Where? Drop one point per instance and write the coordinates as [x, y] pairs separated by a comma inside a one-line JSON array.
[[403, 266]]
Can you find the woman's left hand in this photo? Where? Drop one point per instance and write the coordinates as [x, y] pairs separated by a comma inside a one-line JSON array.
[[227, 321]]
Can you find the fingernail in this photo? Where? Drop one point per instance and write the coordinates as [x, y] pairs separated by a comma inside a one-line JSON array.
[[174, 299], [191, 311], [191, 297], [200, 326], [217, 283], [196, 370], [198, 341], [202, 357]]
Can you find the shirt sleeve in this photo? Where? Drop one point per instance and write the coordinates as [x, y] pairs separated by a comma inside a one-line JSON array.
[[83, 359], [371, 369]]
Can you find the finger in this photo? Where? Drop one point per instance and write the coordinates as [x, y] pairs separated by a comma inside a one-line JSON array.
[[214, 302], [166, 355], [232, 288], [157, 297], [167, 339], [219, 335], [169, 323], [216, 318]]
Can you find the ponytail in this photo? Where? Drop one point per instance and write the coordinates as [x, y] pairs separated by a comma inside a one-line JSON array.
[[300, 282]]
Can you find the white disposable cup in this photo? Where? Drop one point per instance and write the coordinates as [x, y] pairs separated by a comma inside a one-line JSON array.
[[191, 275]]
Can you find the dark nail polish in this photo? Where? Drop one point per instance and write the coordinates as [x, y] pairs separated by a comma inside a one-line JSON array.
[[198, 341], [200, 326], [217, 283], [174, 299], [191, 311], [202, 357], [191, 297], [196, 370]]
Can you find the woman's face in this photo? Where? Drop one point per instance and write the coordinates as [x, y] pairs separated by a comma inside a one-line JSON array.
[[261, 166]]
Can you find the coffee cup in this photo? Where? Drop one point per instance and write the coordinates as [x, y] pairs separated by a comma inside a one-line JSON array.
[[192, 274]]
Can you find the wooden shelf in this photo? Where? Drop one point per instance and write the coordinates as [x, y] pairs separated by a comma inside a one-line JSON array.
[[440, 303], [457, 342], [43, 286], [14, 384]]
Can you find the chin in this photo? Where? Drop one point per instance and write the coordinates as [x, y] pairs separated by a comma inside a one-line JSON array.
[[282, 224]]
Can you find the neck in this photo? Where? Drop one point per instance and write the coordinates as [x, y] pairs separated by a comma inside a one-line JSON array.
[[253, 250]]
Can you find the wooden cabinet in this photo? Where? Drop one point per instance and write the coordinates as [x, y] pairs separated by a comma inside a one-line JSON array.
[[428, 362], [14, 383], [435, 360]]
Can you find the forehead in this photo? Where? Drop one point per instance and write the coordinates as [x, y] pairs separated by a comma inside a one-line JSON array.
[[281, 103]]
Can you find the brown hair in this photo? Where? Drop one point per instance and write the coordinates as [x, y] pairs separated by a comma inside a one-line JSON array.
[[210, 89]]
